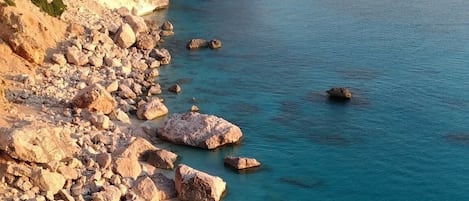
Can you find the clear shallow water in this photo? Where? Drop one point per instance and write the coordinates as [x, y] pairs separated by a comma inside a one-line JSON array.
[[404, 137]]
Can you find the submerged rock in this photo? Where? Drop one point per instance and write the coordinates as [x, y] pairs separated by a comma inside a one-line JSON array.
[[199, 130], [194, 185], [241, 162], [340, 93]]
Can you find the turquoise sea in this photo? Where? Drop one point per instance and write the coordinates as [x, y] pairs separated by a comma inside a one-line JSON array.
[[405, 135]]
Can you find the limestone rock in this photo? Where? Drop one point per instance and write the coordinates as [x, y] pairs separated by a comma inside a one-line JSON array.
[[104, 160], [199, 130], [95, 98], [37, 144], [113, 86], [146, 189], [151, 110], [194, 108], [137, 23], [241, 162], [340, 93], [96, 61], [126, 92], [167, 26], [197, 43], [161, 55], [75, 56], [127, 167], [120, 116], [165, 185], [175, 88], [194, 185], [125, 37], [214, 44], [48, 181], [59, 59], [144, 150], [109, 193], [145, 42], [101, 121], [166, 33]]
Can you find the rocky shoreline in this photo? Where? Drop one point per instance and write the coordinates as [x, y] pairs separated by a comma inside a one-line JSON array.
[[78, 126]]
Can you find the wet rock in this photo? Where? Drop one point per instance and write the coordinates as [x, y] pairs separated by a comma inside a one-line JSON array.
[[215, 44], [95, 98], [48, 181], [125, 37], [37, 144], [137, 23], [175, 88], [151, 110], [339, 93], [167, 26], [194, 185], [146, 189], [199, 130], [161, 55], [197, 43], [145, 42], [241, 162]]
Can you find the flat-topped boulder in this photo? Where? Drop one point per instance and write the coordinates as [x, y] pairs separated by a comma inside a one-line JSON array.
[[241, 163], [197, 43], [339, 93], [37, 144], [199, 130], [194, 185]]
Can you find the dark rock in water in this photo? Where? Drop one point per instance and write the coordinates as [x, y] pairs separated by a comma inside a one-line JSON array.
[[197, 43], [240, 163], [332, 139], [215, 44], [175, 88], [301, 182], [340, 93], [458, 138]]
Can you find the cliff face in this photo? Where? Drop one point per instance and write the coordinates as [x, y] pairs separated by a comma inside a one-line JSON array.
[[138, 7], [28, 31]]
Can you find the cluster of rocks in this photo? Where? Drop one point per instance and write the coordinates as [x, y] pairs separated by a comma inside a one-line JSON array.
[[202, 43], [84, 143]]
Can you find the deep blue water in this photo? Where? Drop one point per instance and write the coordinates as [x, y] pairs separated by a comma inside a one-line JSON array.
[[405, 135]]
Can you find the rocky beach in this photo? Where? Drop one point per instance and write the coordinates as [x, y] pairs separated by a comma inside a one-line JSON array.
[[78, 99]]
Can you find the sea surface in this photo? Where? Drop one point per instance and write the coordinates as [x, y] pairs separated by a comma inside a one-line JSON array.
[[403, 137]]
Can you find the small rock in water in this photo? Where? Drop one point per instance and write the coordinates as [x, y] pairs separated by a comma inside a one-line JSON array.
[[175, 88], [215, 44], [167, 26], [340, 93], [197, 43], [240, 163], [194, 108]]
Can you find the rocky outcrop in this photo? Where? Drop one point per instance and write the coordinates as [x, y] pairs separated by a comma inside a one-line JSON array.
[[194, 185], [197, 43], [95, 98], [339, 93], [37, 144], [151, 110], [199, 130], [240, 163], [140, 7]]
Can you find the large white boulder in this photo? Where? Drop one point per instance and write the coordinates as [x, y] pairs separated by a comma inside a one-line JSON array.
[[199, 130]]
